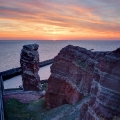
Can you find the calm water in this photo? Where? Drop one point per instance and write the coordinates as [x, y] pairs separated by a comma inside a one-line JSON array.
[[16, 81], [10, 50]]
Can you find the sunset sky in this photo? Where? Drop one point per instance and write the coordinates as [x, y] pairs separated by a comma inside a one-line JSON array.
[[60, 19]]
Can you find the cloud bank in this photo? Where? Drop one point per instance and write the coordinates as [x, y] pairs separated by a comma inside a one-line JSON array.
[[58, 19]]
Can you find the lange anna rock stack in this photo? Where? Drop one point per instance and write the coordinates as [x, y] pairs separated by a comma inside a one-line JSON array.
[[30, 66]]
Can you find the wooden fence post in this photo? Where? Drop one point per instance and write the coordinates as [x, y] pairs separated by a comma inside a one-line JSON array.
[[1, 99]]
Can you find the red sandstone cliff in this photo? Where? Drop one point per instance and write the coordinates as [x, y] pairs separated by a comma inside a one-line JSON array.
[[104, 102], [71, 76], [77, 72]]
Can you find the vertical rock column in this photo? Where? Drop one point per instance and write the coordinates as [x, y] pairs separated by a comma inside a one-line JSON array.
[[30, 66]]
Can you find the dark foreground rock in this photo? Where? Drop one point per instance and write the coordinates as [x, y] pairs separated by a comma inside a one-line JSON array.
[[30, 66], [77, 72]]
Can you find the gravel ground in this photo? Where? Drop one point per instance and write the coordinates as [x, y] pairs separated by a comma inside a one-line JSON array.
[[23, 96]]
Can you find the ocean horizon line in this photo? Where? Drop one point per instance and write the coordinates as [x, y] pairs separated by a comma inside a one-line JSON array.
[[57, 40]]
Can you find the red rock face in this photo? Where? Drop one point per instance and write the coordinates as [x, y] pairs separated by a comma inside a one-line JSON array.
[[71, 76], [77, 72], [61, 93], [104, 102], [30, 66]]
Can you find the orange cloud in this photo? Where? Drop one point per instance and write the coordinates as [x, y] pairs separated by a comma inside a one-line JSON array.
[[52, 20]]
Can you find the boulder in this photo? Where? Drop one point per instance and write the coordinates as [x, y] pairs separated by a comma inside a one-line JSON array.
[[29, 61]]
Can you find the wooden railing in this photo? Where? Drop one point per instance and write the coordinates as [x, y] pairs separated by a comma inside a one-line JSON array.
[[1, 99]]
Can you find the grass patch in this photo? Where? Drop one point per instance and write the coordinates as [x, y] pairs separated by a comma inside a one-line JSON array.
[[15, 110], [81, 63], [44, 86], [37, 110]]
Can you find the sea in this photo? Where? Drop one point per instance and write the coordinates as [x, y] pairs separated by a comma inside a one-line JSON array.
[[10, 51]]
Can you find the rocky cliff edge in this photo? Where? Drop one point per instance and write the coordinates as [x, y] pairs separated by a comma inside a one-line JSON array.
[[78, 72]]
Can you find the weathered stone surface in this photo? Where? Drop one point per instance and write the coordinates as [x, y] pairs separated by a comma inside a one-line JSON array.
[[61, 94], [71, 76], [30, 66], [77, 72], [104, 102]]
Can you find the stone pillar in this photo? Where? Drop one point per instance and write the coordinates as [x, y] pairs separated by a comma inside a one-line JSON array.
[[29, 61]]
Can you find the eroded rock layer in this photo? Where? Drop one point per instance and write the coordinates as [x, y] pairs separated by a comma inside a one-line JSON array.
[[71, 76], [30, 66], [104, 102], [77, 72]]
